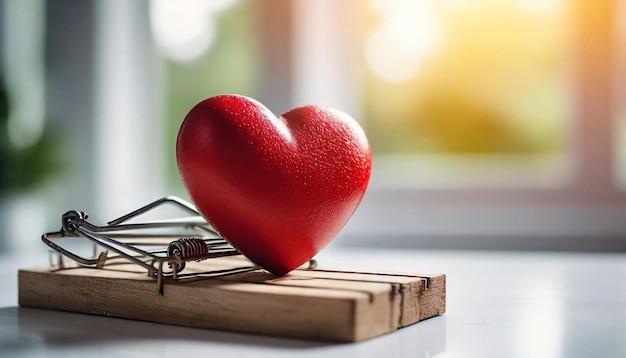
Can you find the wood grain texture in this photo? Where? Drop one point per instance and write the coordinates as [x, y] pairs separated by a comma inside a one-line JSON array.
[[316, 304]]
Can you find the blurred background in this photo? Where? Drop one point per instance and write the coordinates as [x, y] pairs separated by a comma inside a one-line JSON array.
[[495, 124]]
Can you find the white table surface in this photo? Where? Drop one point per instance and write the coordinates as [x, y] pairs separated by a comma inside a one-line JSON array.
[[500, 304]]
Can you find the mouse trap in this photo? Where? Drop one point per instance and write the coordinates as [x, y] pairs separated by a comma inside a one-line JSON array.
[[181, 272]]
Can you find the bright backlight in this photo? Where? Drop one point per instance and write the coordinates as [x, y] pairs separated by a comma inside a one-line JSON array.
[[185, 29], [408, 33]]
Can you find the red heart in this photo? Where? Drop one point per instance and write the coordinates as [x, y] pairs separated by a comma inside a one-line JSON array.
[[278, 189]]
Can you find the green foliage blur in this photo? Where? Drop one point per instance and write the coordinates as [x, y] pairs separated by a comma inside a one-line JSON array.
[[24, 169]]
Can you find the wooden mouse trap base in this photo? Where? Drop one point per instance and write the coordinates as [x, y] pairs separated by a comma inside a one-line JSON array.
[[316, 304]]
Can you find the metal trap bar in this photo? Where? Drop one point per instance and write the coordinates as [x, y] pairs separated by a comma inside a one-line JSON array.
[[161, 247]]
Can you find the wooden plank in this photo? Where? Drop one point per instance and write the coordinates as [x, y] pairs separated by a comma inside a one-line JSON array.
[[424, 295], [316, 304]]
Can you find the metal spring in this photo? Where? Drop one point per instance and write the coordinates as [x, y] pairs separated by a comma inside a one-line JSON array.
[[187, 249]]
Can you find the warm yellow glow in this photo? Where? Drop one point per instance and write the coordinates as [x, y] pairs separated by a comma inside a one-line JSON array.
[[467, 77], [539, 7]]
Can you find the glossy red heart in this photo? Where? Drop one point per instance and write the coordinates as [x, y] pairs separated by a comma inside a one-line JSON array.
[[278, 189]]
